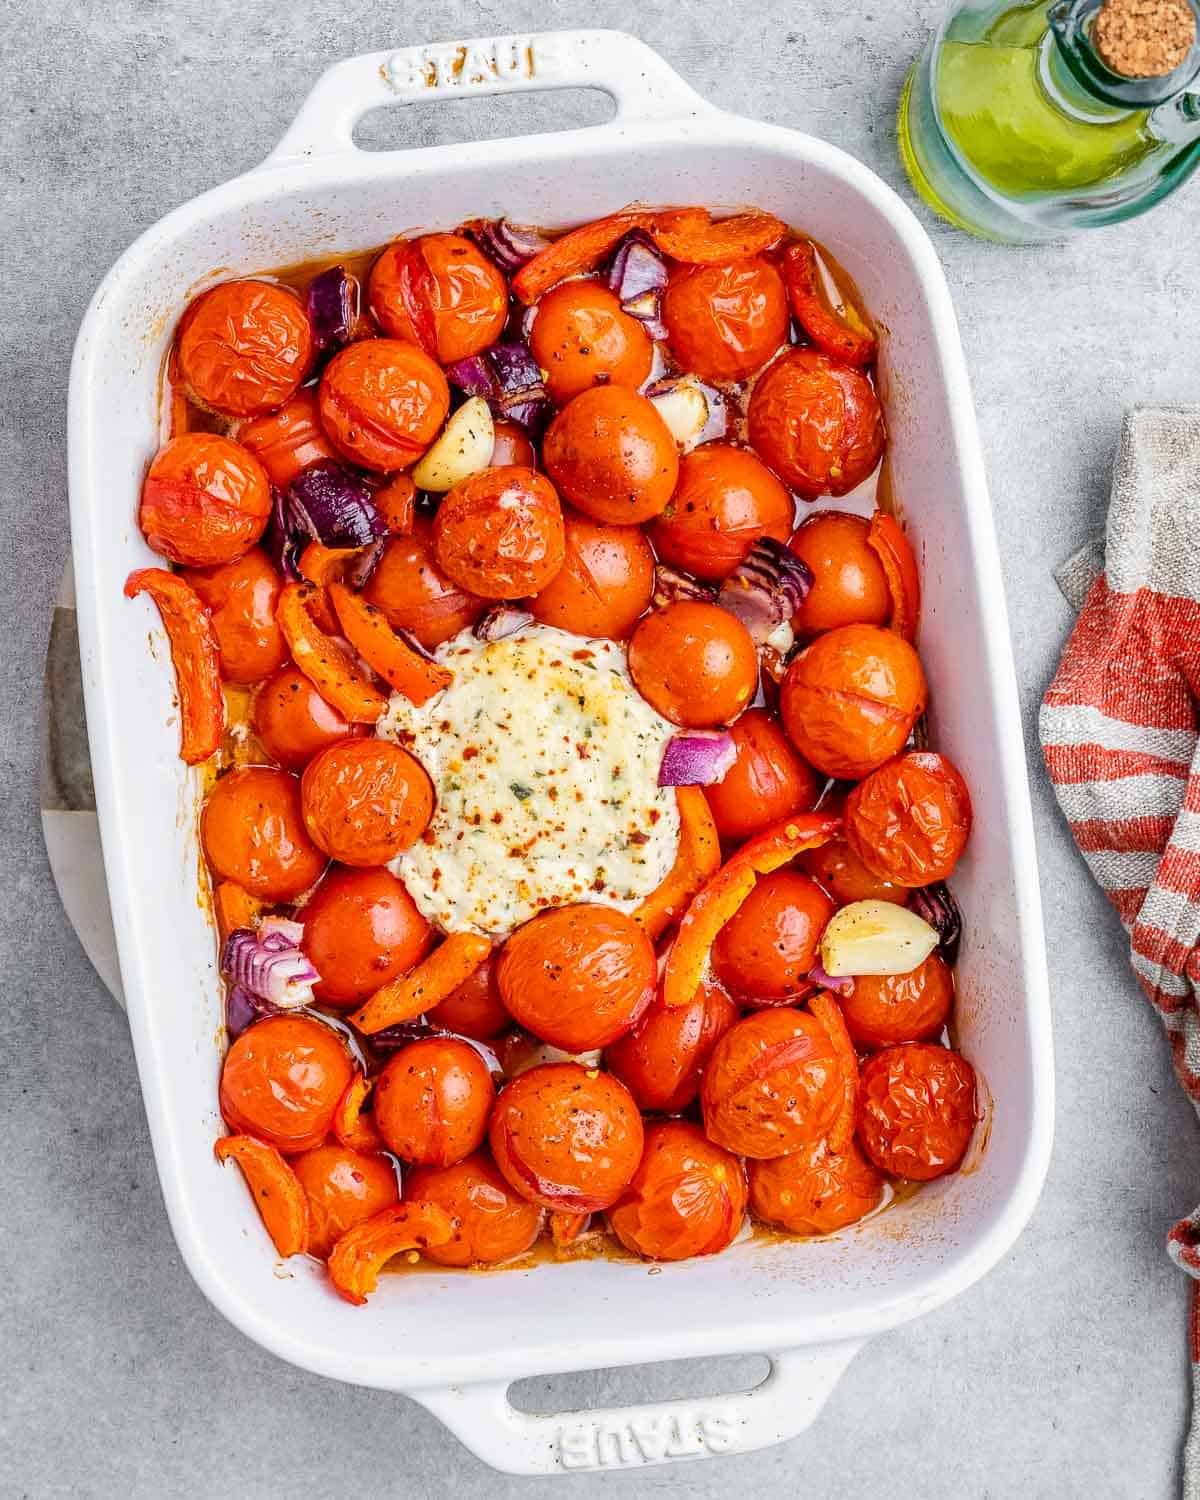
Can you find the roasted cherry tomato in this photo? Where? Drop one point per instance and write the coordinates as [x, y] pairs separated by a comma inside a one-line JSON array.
[[365, 800], [244, 347], [768, 780], [475, 1008], [773, 1084], [610, 454], [687, 1197], [604, 585], [361, 930], [499, 534], [293, 721], [566, 1137], [241, 597], [491, 1223], [290, 440], [849, 585], [512, 446], [817, 423], [725, 501], [909, 821], [577, 976], [432, 1101], [881, 1010], [695, 663], [816, 1190], [846, 878], [282, 1079], [415, 595], [343, 1187], [253, 832], [917, 1111], [382, 402], [581, 338], [205, 500], [850, 699], [764, 952], [725, 322], [441, 292], [660, 1061]]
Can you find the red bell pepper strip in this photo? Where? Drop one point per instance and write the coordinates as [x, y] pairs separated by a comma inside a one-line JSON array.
[[366, 628], [323, 661], [396, 503], [887, 540], [195, 656], [698, 857], [581, 250], [278, 1194], [844, 337], [352, 1127], [427, 985], [362, 1252], [697, 241]]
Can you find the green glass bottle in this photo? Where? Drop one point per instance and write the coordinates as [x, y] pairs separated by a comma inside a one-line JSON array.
[[1013, 127]]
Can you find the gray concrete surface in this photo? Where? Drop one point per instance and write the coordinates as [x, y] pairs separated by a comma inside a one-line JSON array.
[[1063, 1373]]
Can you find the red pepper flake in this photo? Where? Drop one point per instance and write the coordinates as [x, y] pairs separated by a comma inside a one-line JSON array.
[[470, 752]]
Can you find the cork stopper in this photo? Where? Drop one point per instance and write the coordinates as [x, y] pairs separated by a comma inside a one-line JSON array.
[[1144, 38]]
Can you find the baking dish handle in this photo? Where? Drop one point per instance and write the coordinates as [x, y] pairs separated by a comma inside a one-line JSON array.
[[633, 1437], [637, 79]]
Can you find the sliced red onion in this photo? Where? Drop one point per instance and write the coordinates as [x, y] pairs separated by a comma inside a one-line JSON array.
[[473, 376], [332, 308], [697, 758], [939, 908], [269, 966], [767, 589], [824, 981], [508, 245], [670, 586], [242, 1009], [637, 273], [324, 503], [511, 380], [365, 563], [499, 621]]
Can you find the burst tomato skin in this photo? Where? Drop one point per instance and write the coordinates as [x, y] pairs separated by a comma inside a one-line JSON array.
[[343, 1188], [910, 820], [293, 721], [764, 952], [475, 1008], [814, 1191], [836, 866], [241, 597], [365, 800], [205, 500], [581, 338], [849, 585], [605, 583], [566, 1137], [499, 534], [282, 1079], [882, 1010], [244, 347], [773, 1084], [767, 782], [361, 930], [725, 321], [382, 402], [439, 292], [579, 977], [432, 1101], [687, 1197], [816, 423], [695, 663], [725, 501], [253, 833], [917, 1110], [491, 1223], [661, 1060], [850, 699], [415, 595], [611, 456]]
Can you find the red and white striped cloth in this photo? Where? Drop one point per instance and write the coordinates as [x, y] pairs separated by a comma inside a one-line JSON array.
[[1120, 730]]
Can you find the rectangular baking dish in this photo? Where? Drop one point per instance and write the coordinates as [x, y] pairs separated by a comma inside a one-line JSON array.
[[449, 1340]]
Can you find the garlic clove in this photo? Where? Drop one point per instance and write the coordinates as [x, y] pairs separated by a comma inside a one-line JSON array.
[[463, 448]]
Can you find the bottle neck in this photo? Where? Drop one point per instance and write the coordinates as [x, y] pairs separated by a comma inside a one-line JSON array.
[[1083, 74]]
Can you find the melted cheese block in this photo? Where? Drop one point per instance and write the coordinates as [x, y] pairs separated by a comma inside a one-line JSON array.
[[545, 762]]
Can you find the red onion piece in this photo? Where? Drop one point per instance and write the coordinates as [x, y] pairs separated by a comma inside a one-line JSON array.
[[697, 758], [939, 908], [509, 246], [767, 589], [637, 273], [499, 621], [670, 586], [511, 380], [365, 563], [242, 1009], [473, 376], [270, 967], [324, 503], [842, 986], [332, 308]]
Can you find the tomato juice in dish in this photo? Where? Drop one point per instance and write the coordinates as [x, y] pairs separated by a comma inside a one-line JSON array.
[[558, 755]]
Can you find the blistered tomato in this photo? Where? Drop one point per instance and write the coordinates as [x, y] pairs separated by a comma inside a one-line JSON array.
[[241, 597], [205, 500], [849, 585], [491, 1223], [814, 1191], [382, 402], [581, 338], [253, 833], [290, 440], [432, 1101], [909, 821], [512, 446], [660, 1061], [836, 866], [293, 721], [475, 1008], [282, 1079], [611, 456], [916, 1110], [687, 1197], [725, 321], [767, 781], [440, 292], [764, 952], [817, 423], [499, 534], [244, 347], [361, 930], [725, 501], [605, 583], [365, 800], [881, 1010], [695, 663], [414, 593], [343, 1188]]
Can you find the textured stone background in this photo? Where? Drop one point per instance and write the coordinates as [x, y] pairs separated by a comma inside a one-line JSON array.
[[1063, 1373]]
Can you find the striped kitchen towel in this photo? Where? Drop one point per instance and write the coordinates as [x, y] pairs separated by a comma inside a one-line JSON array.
[[1119, 728]]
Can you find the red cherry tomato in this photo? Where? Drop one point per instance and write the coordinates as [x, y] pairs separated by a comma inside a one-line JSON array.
[[577, 976], [610, 454], [293, 721], [205, 500], [343, 1188], [415, 595], [817, 423], [724, 322], [290, 440], [241, 597], [773, 1084], [282, 1079], [244, 347], [687, 1197], [660, 1061], [909, 821], [767, 782], [814, 1191], [849, 585], [365, 800], [441, 293], [850, 699], [725, 501], [566, 1137], [382, 402], [884, 1009], [582, 338], [695, 663], [491, 1223], [916, 1111], [361, 930], [432, 1101], [475, 1008], [512, 447], [253, 833], [836, 866], [499, 534], [764, 952], [605, 583]]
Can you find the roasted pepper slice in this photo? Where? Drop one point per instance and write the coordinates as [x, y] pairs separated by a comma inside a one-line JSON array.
[[235, 907], [396, 503], [278, 1195], [845, 336], [698, 856], [195, 657], [566, 1228], [412, 675], [323, 661], [427, 985], [574, 253], [362, 1252], [828, 1012], [692, 237], [350, 1125], [891, 546]]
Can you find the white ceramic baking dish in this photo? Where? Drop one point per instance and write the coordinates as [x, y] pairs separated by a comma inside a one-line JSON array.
[[454, 1342]]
